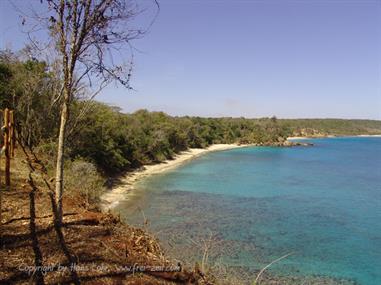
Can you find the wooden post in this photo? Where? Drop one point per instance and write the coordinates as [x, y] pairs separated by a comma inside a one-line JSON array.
[[12, 137], [1, 188], [6, 150], [1, 205]]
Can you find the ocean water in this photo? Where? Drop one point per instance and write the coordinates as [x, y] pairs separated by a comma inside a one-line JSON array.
[[320, 203]]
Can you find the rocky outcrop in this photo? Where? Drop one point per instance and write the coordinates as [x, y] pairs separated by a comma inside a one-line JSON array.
[[285, 143], [309, 132]]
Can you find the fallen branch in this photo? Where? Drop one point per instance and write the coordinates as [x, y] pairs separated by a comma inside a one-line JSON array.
[[268, 265]]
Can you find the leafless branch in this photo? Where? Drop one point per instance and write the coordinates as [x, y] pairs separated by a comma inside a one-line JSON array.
[[268, 265]]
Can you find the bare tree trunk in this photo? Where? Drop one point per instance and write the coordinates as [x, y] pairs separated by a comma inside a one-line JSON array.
[[6, 150], [1, 205], [1, 188], [83, 32], [60, 162]]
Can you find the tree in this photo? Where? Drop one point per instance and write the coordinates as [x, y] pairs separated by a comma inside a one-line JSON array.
[[5, 77], [86, 34], [27, 87]]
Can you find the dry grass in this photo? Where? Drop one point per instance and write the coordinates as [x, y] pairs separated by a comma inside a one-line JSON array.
[[103, 250]]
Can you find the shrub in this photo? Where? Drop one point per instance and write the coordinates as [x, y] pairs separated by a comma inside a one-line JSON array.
[[82, 177]]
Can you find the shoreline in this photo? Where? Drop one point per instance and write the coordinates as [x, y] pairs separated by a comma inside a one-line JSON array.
[[125, 189], [111, 199], [369, 136], [332, 136]]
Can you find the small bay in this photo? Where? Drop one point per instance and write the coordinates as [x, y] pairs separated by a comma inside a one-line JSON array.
[[320, 203]]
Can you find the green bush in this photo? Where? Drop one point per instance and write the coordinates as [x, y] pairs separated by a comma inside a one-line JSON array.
[[82, 177]]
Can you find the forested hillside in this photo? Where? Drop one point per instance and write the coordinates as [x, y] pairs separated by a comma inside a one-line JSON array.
[[115, 141], [337, 127]]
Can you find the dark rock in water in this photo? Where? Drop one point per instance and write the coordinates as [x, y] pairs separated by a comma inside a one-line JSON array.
[[285, 143], [290, 143], [304, 144]]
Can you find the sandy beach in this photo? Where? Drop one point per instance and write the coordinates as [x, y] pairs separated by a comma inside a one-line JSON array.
[[297, 138], [125, 188], [110, 199]]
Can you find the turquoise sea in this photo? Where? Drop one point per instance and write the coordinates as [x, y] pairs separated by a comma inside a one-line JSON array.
[[320, 203]]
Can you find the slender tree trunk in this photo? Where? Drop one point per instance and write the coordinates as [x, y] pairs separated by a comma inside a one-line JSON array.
[[1, 206], [60, 161], [6, 150], [1, 188]]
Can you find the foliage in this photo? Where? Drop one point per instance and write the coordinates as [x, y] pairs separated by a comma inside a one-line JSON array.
[[27, 87], [115, 142], [336, 127], [83, 177]]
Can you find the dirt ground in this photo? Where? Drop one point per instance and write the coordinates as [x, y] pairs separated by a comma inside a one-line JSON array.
[[91, 247]]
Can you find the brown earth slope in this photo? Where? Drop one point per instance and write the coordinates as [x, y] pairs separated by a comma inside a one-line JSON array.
[[91, 247]]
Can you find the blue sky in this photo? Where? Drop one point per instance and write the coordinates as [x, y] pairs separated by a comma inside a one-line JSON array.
[[292, 59]]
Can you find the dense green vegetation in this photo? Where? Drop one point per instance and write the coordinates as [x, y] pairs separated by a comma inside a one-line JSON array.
[[116, 142], [337, 127]]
